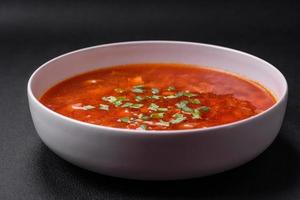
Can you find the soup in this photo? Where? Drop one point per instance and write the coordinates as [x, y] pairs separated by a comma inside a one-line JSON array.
[[158, 97]]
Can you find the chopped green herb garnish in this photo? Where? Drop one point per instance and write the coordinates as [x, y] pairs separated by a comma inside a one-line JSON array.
[[187, 109], [189, 94], [88, 107], [195, 101], [183, 106], [157, 115], [155, 90], [122, 99], [162, 109], [110, 99], [119, 90], [179, 94], [136, 105], [196, 114], [171, 97], [132, 105], [171, 88], [153, 107], [139, 98], [204, 108], [117, 101], [142, 127], [103, 107], [126, 105], [178, 118], [125, 119], [138, 89], [163, 123], [143, 117], [155, 97]]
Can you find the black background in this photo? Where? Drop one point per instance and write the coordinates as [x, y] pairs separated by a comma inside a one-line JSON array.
[[32, 33]]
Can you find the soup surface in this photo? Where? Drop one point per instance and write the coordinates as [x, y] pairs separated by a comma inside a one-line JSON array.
[[158, 97]]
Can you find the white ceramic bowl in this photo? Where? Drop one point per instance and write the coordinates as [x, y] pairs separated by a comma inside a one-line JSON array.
[[157, 155]]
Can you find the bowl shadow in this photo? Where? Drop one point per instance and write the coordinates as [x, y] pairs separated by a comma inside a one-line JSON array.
[[273, 171]]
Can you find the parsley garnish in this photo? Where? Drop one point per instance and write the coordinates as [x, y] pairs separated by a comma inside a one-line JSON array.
[[189, 94], [162, 109], [153, 107], [110, 99], [183, 106], [204, 108], [125, 119], [132, 105], [143, 117], [136, 105], [142, 127], [163, 123], [139, 98], [103, 107], [179, 94], [155, 90], [157, 115], [155, 97], [126, 105], [88, 107], [178, 118], [170, 97], [138, 89], [195, 101], [171, 88], [117, 101], [122, 99], [196, 114]]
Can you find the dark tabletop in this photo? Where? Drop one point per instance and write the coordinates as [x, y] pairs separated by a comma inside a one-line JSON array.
[[32, 33]]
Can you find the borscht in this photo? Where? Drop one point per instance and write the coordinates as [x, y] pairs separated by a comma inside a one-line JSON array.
[[158, 97]]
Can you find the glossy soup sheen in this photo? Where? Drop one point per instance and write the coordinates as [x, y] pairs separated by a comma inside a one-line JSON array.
[[158, 97]]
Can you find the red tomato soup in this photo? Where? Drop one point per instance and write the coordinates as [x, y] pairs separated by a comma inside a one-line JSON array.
[[158, 97]]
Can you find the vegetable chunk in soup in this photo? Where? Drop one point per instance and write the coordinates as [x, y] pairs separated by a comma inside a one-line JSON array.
[[158, 97]]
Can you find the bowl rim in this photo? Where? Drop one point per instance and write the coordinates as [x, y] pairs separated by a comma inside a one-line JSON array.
[[156, 132]]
